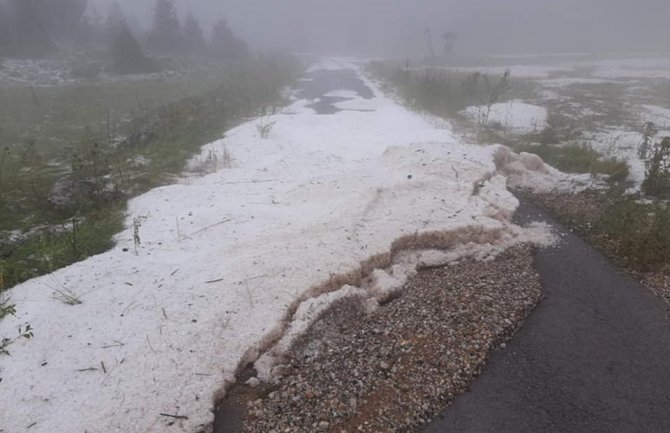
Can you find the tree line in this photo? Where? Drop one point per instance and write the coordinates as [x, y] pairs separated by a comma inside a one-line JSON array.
[[40, 28]]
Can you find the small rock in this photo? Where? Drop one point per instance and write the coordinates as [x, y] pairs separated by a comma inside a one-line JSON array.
[[384, 365], [323, 425], [253, 382]]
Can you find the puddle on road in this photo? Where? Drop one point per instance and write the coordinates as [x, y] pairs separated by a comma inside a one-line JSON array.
[[318, 84]]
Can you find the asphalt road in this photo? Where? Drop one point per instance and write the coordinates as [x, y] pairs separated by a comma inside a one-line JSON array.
[[593, 357], [317, 84]]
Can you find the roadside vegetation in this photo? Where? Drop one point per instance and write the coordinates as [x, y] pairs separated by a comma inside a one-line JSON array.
[[96, 111], [633, 232], [74, 160], [632, 229], [578, 158], [445, 93]]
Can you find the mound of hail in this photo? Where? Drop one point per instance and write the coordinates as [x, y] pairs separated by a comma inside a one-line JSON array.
[[515, 116], [209, 271]]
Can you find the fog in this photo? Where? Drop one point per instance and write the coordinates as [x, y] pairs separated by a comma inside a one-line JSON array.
[[396, 27]]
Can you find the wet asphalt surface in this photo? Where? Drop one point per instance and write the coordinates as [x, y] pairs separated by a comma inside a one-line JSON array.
[[317, 84], [593, 357]]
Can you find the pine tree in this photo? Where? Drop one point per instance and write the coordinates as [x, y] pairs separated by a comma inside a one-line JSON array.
[[93, 31], [194, 39], [116, 19], [65, 18], [449, 39], [165, 35], [5, 31], [31, 28], [225, 45], [126, 53]]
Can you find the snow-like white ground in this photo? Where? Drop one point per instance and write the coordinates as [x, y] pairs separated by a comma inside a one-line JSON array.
[[659, 116], [62, 71], [633, 68], [603, 70], [523, 71], [611, 138], [516, 116], [223, 258], [562, 82]]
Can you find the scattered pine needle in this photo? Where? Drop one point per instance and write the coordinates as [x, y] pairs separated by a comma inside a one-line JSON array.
[[174, 416]]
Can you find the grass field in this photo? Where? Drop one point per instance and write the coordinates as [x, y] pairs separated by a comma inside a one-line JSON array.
[[446, 93], [72, 155]]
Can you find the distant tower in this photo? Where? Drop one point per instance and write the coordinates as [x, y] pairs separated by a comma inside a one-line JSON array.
[[428, 35]]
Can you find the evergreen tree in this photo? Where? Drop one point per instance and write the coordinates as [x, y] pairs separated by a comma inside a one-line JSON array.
[[31, 29], [449, 39], [93, 32], [38, 24], [225, 45], [66, 18], [194, 39], [126, 53], [116, 19], [165, 35], [5, 31]]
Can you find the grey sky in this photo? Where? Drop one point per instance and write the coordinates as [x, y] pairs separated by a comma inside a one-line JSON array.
[[396, 26]]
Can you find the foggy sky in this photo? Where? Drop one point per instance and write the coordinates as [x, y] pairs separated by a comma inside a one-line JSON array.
[[396, 27]]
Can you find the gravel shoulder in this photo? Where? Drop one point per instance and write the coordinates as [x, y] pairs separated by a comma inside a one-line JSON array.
[[394, 369]]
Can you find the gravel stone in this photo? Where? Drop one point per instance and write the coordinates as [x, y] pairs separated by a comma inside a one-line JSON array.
[[346, 375]]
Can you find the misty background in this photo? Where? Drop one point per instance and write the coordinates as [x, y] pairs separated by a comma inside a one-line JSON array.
[[396, 27]]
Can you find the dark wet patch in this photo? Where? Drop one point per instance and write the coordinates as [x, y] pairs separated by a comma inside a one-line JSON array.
[[326, 104], [321, 82], [228, 417]]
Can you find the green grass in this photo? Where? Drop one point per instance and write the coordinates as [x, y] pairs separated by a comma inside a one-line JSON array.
[[446, 93], [638, 233], [39, 137], [616, 169], [634, 233], [657, 179], [578, 158], [59, 114], [90, 136], [54, 247]]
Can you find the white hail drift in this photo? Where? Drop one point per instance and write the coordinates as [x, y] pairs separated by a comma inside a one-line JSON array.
[[223, 258]]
